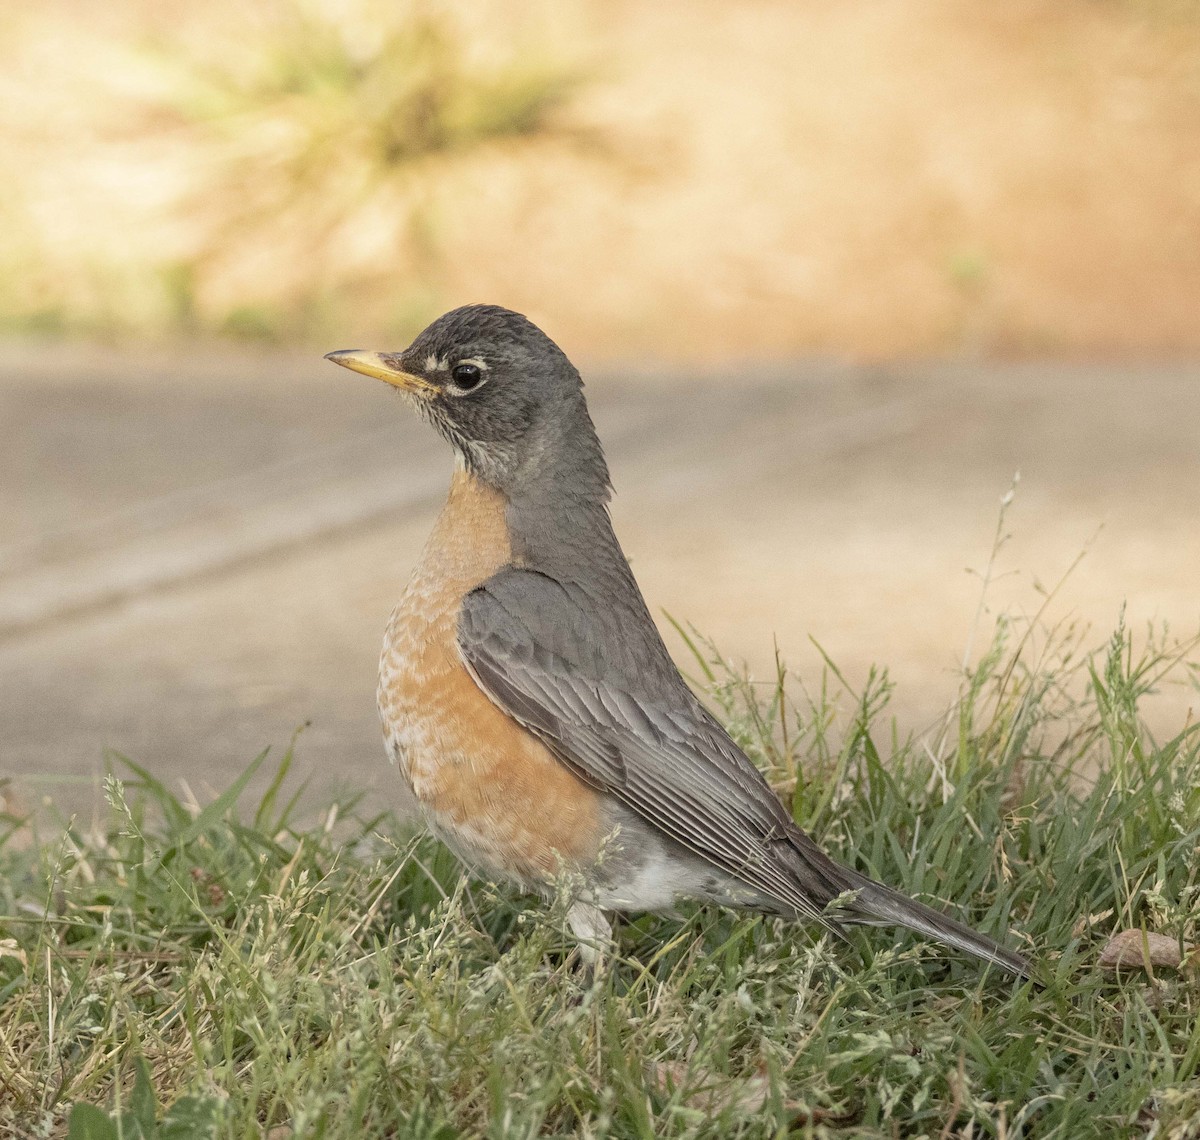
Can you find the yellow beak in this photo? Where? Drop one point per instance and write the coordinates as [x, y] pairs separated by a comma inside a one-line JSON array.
[[382, 368]]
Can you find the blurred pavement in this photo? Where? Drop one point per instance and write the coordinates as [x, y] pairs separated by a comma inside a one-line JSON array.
[[199, 549]]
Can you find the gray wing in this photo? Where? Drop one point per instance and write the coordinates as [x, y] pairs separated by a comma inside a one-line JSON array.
[[596, 685]]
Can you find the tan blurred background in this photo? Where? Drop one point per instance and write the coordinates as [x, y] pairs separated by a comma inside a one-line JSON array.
[[690, 182], [834, 273]]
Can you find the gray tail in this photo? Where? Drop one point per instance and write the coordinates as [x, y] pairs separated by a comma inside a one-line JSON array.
[[877, 905]]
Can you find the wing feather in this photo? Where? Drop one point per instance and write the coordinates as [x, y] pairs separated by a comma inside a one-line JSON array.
[[625, 721]]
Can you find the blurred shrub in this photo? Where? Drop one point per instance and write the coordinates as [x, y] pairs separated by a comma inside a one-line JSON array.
[[306, 147]]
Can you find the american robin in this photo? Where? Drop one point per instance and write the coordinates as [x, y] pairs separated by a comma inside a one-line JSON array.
[[527, 695]]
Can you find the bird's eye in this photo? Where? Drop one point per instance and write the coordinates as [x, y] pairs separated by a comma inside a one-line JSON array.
[[467, 377]]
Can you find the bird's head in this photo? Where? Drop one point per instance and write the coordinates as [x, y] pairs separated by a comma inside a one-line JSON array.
[[504, 395]]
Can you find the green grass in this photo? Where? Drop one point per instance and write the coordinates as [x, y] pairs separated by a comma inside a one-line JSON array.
[[233, 972]]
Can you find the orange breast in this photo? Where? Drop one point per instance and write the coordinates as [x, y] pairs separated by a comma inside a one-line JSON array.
[[492, 790]]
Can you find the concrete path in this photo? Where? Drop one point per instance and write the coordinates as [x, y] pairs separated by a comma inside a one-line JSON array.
[[198, 551]]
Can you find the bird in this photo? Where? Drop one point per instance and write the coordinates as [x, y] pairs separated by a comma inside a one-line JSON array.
[[531, 703]]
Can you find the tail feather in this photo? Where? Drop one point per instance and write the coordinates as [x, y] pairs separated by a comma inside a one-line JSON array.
[[876, 904]]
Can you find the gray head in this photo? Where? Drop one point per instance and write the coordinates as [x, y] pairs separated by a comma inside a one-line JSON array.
[[505, 395]]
